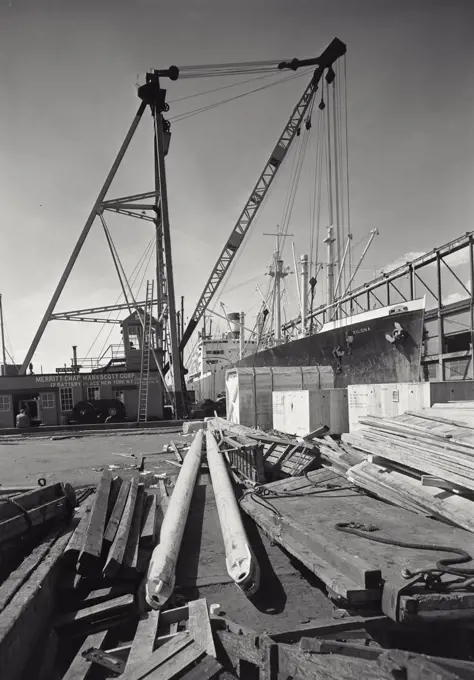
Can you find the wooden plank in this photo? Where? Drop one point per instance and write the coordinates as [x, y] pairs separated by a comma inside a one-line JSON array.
[[144, 641], [177, 663], [78, 538], [330, 627], [23, 619], [158, 658], [115, 487], [89, 556], [123, 606], [130, 558], [317, 517], [422, 667], [174, 615], [80, 600], [149, 532], [200, 626], [241, 647], [206, 669], [80, 667], [293, 662], [13, 583], [117, 550], [117, 512]]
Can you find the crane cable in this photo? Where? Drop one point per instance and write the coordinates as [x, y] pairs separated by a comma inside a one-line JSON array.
[[134, 275], [183, 116]]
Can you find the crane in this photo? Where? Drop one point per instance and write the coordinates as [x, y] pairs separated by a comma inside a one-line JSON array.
[[324, 62]]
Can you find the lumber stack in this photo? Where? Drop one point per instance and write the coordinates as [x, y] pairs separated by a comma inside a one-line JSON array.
[[117, 531], [420, 461]]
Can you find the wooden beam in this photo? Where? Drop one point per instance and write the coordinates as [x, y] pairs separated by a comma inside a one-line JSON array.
[[158, 658], [143, 644], [23, 619], [117, 512], [80, 619], [206, 669], [14, 582], [117, 550], [80, 667], [130, 558], [200, 626], [91, 551], [76, 543], [149, 533]]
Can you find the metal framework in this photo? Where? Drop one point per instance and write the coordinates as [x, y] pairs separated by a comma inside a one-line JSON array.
[[447, 324], [138, 206], [323, 63]]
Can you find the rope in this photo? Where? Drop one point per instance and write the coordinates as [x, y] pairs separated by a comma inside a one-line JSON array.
[[443, 566]]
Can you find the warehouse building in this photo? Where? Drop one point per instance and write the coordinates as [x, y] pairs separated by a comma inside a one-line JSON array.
[[51, 397]]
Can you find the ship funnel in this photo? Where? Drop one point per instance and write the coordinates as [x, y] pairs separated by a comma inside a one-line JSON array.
[[234, 323]]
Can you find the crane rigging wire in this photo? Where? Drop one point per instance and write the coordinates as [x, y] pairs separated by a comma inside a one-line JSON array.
[[134, 296], [183, 116], [134, 275], [221, 87]]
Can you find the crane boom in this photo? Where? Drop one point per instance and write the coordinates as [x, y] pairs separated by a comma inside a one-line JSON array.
[[325, 61]]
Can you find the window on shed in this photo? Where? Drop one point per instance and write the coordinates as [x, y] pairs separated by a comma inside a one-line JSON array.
[[93, 392], [5, 402], [134, 337], [48, 400], [65, 395]]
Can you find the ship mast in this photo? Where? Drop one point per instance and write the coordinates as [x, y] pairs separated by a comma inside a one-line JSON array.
[[278, 273], [329, 241]]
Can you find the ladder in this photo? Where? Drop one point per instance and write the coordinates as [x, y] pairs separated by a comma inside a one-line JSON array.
[[146, 322]]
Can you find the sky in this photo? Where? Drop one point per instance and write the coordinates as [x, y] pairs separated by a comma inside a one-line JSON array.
[[68, 75]]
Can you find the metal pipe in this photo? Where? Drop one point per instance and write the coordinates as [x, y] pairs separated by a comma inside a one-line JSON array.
[[161, 574], [241, 564], [74, 357]]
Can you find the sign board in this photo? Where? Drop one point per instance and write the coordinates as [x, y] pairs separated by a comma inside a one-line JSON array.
[[92, 379]]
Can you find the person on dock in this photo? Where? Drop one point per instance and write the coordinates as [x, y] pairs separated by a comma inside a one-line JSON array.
[[22, 419]]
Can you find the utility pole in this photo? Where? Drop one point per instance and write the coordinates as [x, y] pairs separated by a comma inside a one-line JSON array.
[[277, 272], [4, 351], [153, 95]]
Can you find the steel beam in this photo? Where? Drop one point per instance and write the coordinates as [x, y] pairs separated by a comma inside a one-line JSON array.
[[82, 237], [241, 564], [95, 310], [161, 574], [408, 269]]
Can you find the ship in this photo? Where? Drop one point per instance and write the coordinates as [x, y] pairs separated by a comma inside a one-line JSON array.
[[382, 345]]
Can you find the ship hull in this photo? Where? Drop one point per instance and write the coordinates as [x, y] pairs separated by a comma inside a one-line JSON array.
[[378, 352], [381, 346]]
